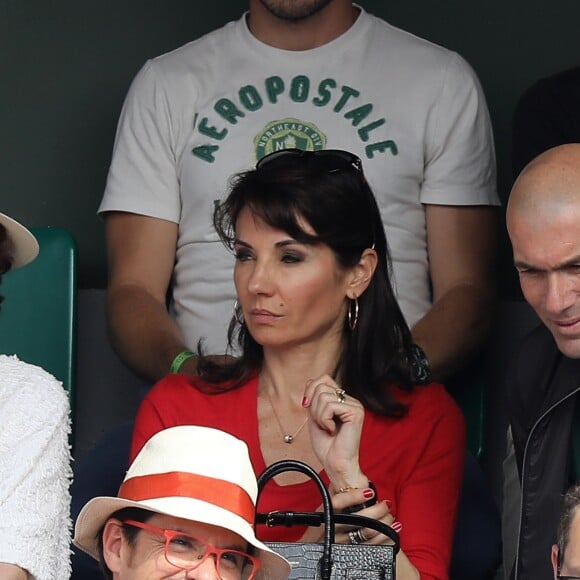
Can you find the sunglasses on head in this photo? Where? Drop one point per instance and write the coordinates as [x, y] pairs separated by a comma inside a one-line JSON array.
[[331, 160]]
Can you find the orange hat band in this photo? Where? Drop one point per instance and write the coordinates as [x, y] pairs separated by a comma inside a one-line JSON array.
[[218, 492]]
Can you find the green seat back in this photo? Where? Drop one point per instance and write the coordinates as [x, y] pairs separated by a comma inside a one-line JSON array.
[[468, 389], [37, 317]]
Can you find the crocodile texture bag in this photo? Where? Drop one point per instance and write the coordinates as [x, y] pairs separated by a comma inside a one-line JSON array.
[[328, 561]]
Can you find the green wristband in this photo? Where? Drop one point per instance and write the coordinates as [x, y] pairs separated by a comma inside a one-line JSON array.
[[179, 360]]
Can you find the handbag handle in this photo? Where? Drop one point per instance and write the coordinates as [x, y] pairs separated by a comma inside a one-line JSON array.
[[328, 511], [326, 517], [290, 518]]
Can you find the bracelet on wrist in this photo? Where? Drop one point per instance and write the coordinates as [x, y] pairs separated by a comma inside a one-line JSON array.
[[420, 365], [360, 506], [178, 361]]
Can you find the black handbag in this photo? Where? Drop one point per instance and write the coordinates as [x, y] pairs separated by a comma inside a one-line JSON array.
[[328, 561]]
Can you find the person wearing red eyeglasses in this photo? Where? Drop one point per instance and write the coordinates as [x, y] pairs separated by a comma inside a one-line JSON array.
[[185, 509]]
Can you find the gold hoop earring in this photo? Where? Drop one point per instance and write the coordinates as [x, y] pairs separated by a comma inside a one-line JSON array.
[[353, 313], [238, 314]]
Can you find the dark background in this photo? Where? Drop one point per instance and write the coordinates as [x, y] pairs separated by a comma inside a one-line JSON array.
[[65, 66]]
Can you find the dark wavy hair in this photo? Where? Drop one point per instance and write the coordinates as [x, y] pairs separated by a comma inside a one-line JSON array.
[[342, 210], [5, 254]]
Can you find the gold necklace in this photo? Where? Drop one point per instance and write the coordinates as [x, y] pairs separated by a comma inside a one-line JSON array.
[[287, 437]]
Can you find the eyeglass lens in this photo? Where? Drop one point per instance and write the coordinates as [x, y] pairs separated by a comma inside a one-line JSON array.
[[188, 552], [184, 551]]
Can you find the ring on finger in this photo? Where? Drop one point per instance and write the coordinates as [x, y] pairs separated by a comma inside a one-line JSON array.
[[360, 535], [357, 536], [340, 395]]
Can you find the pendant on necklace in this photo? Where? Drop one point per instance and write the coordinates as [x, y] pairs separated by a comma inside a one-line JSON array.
[[288, 438]]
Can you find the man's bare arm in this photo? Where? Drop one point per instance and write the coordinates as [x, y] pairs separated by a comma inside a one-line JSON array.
[[141, 253], [462, 242]]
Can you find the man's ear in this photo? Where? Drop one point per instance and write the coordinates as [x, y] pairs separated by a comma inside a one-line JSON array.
[[113, 544], [362, 273], [555, 555]]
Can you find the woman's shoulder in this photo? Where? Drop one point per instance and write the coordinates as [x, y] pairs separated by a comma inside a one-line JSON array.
[[420, 397], [31, 383], [181, 399], [19, 371], [429, 404], [432, 424], [32, 401], [191, 387]]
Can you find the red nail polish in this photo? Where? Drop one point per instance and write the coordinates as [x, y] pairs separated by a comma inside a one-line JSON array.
[[397, 526], [368, 493], [305, 401]]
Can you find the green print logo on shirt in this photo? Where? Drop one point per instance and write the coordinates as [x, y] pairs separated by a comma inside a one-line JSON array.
[[214, 126], [288, 134]]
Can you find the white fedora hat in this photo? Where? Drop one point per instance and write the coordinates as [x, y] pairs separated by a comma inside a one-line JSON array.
[[196, 473], [24, 247]]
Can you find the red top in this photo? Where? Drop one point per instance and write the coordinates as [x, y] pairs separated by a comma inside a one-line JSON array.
[[415, 462]]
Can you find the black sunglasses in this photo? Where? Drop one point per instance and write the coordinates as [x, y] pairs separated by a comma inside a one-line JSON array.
[[331, 160]]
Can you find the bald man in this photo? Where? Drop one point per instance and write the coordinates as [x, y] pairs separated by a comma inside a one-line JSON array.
[[543, 220]]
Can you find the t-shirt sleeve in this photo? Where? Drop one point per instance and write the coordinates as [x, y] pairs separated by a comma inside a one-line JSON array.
[[460, 164], [143, 178], [429, 498]]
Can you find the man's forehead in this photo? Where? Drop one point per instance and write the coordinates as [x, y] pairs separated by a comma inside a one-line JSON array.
[[537, 207], [549, 182], [545, 240]]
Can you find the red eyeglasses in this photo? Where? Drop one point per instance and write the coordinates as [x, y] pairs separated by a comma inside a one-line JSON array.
[[188, 552]]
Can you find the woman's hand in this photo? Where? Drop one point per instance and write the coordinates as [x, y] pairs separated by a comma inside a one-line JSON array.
[[380, 511], [335, 431]]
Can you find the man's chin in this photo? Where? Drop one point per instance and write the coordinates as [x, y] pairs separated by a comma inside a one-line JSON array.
[[568, 346]]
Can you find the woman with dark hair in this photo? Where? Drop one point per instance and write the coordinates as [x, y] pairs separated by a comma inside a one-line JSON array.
[[35, 457], [326, 372]]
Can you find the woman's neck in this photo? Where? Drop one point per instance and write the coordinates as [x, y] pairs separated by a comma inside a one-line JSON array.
[[285, 373]]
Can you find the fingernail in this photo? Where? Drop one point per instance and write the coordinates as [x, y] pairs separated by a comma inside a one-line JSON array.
[[368, 493], [305, 401], [397, 526]]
